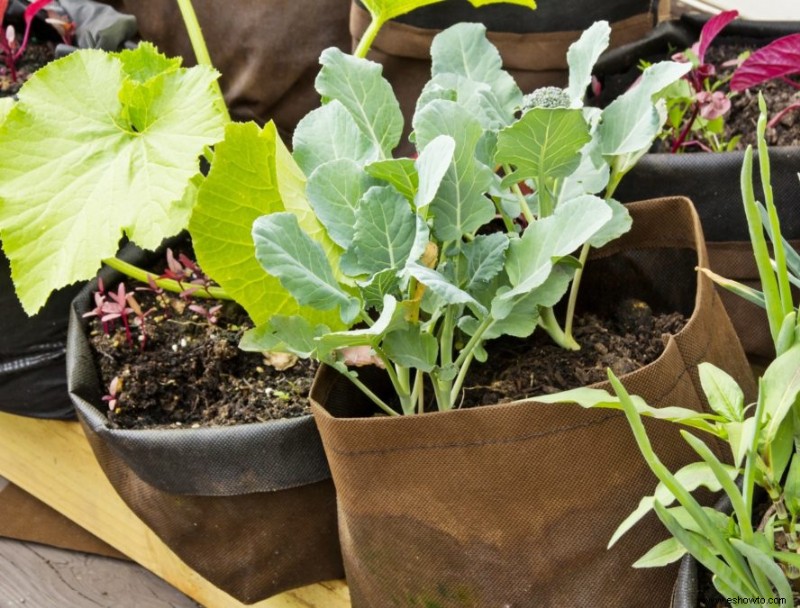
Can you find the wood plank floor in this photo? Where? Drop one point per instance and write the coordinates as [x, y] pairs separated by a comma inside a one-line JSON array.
[[37, 576]]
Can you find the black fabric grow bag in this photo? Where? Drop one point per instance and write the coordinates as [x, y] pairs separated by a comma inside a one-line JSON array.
[[250, 507], [32, 374], [712, 181]]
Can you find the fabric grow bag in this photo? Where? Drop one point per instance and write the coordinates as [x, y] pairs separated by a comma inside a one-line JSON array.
[[514, 504], [250, 507], [533, 44], [32, 362], [267, 52], [712, 180]]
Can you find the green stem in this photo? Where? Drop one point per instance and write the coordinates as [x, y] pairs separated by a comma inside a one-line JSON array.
[[462, 374], [523, 202], [507, 221], [418, 393], [199, 45], [216, 293], [573, 290], [549, 323], [473, 342], [372, 396], [368, 38]]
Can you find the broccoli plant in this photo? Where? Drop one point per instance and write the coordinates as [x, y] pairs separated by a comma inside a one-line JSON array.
[[419, 262]]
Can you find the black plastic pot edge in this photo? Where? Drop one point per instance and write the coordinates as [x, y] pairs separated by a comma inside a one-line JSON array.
[[280, 454]]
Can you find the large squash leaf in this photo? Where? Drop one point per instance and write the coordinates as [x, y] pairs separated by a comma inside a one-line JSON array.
[[83, 163]]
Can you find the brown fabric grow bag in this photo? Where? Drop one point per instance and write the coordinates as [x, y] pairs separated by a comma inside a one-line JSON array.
[[514, 504], [250, 507], [267, 52], [533, 44]]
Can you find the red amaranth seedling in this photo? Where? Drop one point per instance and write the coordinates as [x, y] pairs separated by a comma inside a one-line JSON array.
[[779, 59], [12, 50], [110, 306]]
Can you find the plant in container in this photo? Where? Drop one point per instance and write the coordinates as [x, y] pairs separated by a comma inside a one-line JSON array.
[[437, 257], [751, 548], [32, 361], [125, 162], [712, 179]]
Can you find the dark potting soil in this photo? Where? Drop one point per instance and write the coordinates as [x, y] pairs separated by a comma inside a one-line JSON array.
[[520, 368], [190, 372], [743, 115], [36, 55]]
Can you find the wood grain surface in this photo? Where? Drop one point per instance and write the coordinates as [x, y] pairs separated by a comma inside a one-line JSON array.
[[53, 461], [37, 576]]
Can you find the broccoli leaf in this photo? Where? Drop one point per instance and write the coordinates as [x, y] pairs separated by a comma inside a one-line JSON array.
[[334, 190], [330, 133], [459, 206], [545, 142], [367, 95], [464, 50], [385, 231], [285, 251]]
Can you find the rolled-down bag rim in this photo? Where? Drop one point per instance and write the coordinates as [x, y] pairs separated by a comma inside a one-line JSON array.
[[210, 461]]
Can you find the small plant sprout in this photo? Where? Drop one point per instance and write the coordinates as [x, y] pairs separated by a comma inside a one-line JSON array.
[[114, 393], [779, 59], [11, 48], [696, 105], [122, 305]]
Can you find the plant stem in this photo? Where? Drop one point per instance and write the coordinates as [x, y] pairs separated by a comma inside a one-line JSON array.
[[549, 323], [573, 290], [216, 293], [199, 45], [462, 374], [523, 203], [685, 131], [368, 38], [372, 396]]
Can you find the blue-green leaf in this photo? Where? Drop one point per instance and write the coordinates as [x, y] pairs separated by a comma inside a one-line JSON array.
[[386, 230], [544, 143], [460, 205], [285, 251], [413, 348], [581, 58], [334, 190], [399, 172], [464, 50], [330, 133], [359, 85]]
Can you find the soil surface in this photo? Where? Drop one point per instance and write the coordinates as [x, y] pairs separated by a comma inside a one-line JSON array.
[[743, 115], [191, 372], [35, 56], [634, 337]]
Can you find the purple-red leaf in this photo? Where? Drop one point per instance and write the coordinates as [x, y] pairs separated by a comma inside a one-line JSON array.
[[779, 58], [34, 8], [3, 8], [710, 31]]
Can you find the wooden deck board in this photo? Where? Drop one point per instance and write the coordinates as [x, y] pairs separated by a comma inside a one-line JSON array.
[[38, 576], [53, 461]]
